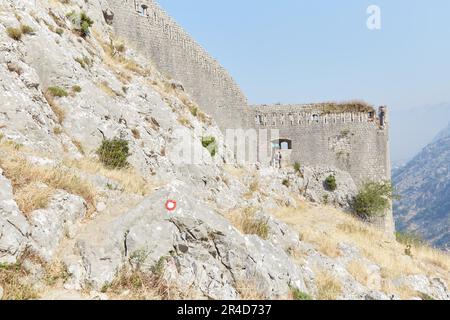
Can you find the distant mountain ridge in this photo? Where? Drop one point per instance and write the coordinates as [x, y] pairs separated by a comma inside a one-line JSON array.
[[443, 134], [424, 187]]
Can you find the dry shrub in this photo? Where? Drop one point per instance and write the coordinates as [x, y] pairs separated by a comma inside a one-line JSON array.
[[17, 281], [57, 130], [185, 122], [358, 271], [57, 110], [136, 133], [135, 284], [79, 146], [402, 291], [32, 197], [193, 107], [253, 187], [115, 59], [328, 287], [14, 33], [246, 222], [22, 174], [249, 290], [433, 256], [128, 178], [12, 279], [324, 243], [104, 86]]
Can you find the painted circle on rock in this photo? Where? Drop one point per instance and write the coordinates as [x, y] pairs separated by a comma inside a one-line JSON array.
[[171, 205]]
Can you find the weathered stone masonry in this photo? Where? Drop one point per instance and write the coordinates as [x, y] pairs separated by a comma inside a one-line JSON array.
[[356, 141], [175, 53]]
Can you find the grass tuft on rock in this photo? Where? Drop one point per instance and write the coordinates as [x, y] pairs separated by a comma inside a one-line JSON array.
[[210, 144], [14, 33], [57, 92]]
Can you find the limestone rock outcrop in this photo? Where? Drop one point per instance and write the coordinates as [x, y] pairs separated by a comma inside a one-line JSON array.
[[235, 228]]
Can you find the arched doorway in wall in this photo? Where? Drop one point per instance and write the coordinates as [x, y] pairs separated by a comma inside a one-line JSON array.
[[284, 147], [282, 144]]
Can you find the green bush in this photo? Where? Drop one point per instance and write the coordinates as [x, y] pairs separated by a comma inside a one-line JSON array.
[[407, 238], [114, 153], [14, 33], [299, 295], [85, 24], [373, 199], [76, 88], [297, 167], [330, 183], [286, 183], [82, 21], [59, 31], [57, 91], [210, 144]]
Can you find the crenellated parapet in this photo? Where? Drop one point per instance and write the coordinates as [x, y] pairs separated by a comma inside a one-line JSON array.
[[316, 114]]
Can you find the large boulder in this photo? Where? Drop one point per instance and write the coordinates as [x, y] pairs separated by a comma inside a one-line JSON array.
[[14, 228], [198, 245], [50, 225], [426, 287]]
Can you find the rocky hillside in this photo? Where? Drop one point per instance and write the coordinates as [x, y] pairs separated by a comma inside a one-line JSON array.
[[443, 134], [90, 137], [424, 187]]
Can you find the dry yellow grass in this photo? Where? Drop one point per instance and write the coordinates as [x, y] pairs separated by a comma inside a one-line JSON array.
[[104, 86], [23, 174], [328, 287], [402, 291], [115, 59], [236, 172], [129, 179], [57, 130], [57, 110], [245, 221], [137, 285], [326, 227], [12, 280], [192, 106], [184, 121], [358, 271], [32, 197], [124, 68], [79, 146], [17, 283], [324, 243], [252, 188], [249, 291]]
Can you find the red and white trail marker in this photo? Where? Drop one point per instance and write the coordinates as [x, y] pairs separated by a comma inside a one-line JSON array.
[[171, 205]]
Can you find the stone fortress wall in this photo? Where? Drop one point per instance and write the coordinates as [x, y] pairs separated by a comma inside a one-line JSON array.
[[353, 140], [152, 31]]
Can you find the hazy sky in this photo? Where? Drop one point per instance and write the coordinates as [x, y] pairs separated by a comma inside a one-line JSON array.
[[296, 51]]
